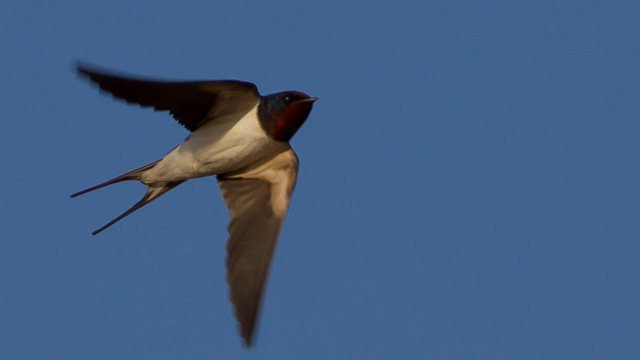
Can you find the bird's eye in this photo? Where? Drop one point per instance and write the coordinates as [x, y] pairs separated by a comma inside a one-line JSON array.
[[287, 99]]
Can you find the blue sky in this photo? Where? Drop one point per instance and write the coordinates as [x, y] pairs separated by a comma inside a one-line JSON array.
[[468, 184]]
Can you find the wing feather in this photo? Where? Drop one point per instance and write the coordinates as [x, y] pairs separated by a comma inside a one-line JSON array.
[[257, 200], [191, 103]]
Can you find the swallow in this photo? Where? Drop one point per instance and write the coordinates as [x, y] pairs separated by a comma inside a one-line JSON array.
[[240, 137]]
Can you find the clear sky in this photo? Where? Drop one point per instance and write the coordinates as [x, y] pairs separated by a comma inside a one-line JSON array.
[[468, 182]]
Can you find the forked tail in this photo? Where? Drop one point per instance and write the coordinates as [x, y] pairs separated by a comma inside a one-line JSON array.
[[153, 192], [131, 175]]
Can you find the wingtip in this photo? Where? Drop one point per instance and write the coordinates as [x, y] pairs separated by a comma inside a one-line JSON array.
[[86, 69], [247, 343], [83, 70], [80, 67]]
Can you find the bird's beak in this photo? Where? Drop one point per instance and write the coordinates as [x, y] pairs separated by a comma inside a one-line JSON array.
[[311, 100]]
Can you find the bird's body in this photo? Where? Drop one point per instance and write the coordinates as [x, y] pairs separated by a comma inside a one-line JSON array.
[[228, 144], [243, 139]]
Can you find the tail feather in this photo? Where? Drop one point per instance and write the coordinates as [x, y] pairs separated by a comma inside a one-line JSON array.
[[131, 175], [153, 192]]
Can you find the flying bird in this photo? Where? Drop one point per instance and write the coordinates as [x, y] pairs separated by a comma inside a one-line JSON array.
[[237, 135]]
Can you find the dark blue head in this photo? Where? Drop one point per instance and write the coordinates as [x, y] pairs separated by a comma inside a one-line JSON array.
[[282, 114]]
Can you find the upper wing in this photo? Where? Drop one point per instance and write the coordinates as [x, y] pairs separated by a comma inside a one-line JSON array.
[[257, 200], [190, 102]]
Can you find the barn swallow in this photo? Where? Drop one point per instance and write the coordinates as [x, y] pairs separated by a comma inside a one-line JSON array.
[[242, 138]]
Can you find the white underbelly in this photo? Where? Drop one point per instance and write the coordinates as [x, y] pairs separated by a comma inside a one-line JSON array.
[[218, 147]]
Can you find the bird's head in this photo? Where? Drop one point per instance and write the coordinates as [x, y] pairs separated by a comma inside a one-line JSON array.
[[283, 113]]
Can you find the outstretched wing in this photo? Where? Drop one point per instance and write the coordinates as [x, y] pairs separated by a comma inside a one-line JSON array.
[[257, 200], [191, 103]]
